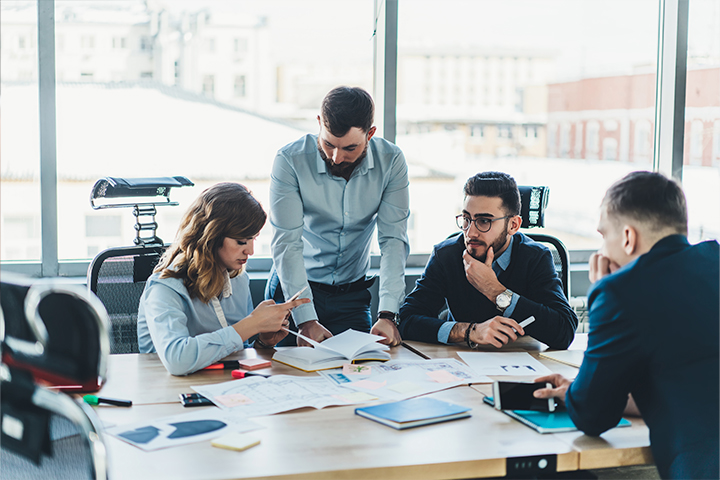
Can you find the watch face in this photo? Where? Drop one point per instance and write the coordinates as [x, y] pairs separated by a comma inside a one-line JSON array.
[[503, 300]]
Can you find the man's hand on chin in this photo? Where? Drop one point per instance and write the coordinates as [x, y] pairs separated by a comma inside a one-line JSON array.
[[481, 275]]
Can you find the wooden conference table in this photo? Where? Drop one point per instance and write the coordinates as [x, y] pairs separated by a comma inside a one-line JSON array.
[[335, 443]]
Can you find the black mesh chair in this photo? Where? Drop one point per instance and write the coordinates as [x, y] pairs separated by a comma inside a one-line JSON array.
[[118, 275], [53, 338], [534, 200]]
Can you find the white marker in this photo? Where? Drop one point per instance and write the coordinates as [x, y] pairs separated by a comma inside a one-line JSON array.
[[525, 322]]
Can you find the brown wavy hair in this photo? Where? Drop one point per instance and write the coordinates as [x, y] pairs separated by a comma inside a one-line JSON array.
[[224, 210]]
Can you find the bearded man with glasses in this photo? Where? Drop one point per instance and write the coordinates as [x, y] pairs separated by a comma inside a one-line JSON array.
[[490, 276]]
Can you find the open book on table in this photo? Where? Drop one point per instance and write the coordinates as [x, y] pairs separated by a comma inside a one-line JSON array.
[[334, 352]]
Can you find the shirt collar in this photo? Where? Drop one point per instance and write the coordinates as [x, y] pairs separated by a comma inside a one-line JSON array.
[[503, 261], [227, 288]]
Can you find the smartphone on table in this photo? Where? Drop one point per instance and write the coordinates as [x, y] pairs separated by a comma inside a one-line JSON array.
[[519, 396], [194, 400]]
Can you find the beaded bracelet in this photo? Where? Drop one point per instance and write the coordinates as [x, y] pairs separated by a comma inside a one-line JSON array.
[[469, 342]]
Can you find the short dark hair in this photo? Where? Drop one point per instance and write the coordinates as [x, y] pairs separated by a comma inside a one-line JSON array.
[[495, 184], [346, 107], [651, 198]]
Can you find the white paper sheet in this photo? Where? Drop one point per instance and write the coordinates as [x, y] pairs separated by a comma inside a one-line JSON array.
[[400, 384], [504, 363], [451, 365], [156, 434], [255, 396]]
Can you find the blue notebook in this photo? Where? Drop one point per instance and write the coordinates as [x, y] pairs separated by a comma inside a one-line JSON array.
[[546, 422], [414, 412]]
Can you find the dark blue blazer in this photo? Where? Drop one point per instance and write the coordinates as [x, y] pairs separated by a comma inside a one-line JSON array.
[[531, 274], [654, 333]]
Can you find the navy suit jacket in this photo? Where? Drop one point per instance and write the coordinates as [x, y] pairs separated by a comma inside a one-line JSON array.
[[531, 274], [654, 333]]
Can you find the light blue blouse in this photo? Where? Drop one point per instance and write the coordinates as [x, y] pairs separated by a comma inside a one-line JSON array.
[[186, 333]]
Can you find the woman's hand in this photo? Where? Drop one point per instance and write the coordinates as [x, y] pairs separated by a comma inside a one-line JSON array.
[[268, 317]]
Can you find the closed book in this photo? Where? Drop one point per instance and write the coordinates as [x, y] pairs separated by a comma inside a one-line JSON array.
[[414, 412], [347, 347]]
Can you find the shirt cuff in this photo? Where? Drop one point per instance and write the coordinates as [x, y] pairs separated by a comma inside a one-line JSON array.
[[388, 305], [508, 311], [444, 332], [232, 339], [304, 313]]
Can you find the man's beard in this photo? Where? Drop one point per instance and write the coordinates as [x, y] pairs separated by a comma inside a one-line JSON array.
[[344, 169], [497, 244]]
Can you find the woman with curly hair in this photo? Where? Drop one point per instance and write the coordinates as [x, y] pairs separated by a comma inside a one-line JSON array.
[[196, 307]]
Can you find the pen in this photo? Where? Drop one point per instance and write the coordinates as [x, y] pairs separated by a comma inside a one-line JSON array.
[[226, 365], [243, 374], [415, 351], [94, 400]]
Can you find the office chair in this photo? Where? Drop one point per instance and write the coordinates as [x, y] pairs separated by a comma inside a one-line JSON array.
[[54, 335], [55, 331], [534, 201], [118, 275]]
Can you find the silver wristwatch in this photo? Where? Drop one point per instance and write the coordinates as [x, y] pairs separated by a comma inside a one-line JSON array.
[[503, 300]]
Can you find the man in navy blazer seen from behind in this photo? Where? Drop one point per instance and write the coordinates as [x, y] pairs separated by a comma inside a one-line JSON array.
[[490, 276], [654, 327]]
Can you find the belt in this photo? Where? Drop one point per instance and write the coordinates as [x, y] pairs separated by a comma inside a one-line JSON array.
[[356, 286]]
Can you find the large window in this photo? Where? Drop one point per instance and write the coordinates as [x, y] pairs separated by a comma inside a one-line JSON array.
[[555, 92], [579, 75], [701, 166], [19, 131], [205, 89]]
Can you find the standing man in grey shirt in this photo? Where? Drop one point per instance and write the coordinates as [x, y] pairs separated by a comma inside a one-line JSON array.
[[328, 192]]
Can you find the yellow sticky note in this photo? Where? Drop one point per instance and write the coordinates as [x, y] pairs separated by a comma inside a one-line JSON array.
[[236, 441]]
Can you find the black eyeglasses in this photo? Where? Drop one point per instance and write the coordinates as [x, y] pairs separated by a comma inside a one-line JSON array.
[[481, 223]]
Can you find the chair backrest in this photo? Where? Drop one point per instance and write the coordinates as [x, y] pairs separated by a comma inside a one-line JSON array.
[[56, 331], [560, 258], [33, 447], [534, 201], [52, 334], [117, 276]]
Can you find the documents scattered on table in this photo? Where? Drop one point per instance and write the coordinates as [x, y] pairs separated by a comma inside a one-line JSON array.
[[546, 422], [569, 357], [406, 383], [414, 412], [504, 363], [345, 347], [438, 369], [255, 396], [197, 426]]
